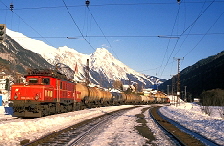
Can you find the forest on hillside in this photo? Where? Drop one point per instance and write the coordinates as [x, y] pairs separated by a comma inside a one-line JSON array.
[[206, 74]]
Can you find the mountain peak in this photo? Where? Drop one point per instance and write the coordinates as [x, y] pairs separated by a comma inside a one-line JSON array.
[[104, 67], [101, 52]]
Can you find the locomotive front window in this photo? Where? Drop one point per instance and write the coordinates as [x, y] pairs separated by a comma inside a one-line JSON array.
[[46, 81], [61, 85], [33, 80]]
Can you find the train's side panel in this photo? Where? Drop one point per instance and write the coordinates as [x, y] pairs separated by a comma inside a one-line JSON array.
[[133, 98], [117, 97], [95, 94], [92, 93], [151, 99], [83, 90], [144, 98], [123, 97], [107, 96]]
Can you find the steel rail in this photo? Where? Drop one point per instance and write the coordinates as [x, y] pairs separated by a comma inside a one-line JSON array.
[[200, 137], [76, 133], [172, 136], [82, 136]]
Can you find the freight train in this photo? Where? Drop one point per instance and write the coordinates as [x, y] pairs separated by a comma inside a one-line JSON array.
[[48, 92]]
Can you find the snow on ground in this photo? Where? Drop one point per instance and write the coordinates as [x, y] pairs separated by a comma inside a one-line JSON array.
[[13, 131], [121, 131], [5, 115], [191, 116]]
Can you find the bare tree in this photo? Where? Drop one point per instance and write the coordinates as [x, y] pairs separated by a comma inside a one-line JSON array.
[[221, 111], [206, 109], [117, 84], [214, 97]]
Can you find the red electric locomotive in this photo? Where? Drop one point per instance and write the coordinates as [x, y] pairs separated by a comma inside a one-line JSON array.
[[45, 92]]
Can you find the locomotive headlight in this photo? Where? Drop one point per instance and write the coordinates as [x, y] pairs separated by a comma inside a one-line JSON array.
[[15, 96], [37, 97]]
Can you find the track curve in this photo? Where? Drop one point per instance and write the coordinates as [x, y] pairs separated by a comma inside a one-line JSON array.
[[178, 134]]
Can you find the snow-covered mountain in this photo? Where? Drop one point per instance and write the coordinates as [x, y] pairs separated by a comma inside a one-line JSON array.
[[104, 68]]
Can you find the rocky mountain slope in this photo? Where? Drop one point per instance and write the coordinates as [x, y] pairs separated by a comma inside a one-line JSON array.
[[14, 58]]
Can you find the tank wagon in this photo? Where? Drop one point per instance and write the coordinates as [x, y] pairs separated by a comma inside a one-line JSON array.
[[91, 96], [48, 92]]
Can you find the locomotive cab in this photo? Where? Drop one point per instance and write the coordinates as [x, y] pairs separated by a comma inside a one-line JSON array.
[[33, 89]]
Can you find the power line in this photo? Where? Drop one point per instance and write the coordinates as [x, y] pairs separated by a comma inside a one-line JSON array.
[[153, 68], [128, 36], [77, 25], [194, 22], [24, 21], [204, 35], [110, 4], [192, 25], [99, 26], [169, 44], [102, 32]]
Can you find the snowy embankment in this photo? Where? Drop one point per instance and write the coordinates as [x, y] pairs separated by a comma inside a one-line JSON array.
[[192, 117]]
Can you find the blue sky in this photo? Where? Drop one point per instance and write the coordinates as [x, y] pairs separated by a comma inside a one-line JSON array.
[[129, 29]]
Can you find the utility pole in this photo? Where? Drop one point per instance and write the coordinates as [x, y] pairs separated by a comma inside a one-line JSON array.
[[87, 72], [168, 90], [173, 87], [178, 79], [2, 33], [185, 93]]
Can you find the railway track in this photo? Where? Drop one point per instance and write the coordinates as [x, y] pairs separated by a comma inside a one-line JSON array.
[[76, 134], [8, 119], [179, 134]]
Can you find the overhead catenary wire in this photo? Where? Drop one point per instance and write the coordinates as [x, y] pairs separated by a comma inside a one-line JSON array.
[[77, 26], [204, 34], [102, 31], [13, 12], [99, 26], [121, 4], [130, 36], [153, 68], [192, 24], [169, 44]]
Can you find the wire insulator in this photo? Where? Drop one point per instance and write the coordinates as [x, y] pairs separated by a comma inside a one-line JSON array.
[[87, 3], [11, 7]]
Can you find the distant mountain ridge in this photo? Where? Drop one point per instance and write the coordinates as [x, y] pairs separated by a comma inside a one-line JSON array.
[[206, 74], [104, 68], [13, 57]]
